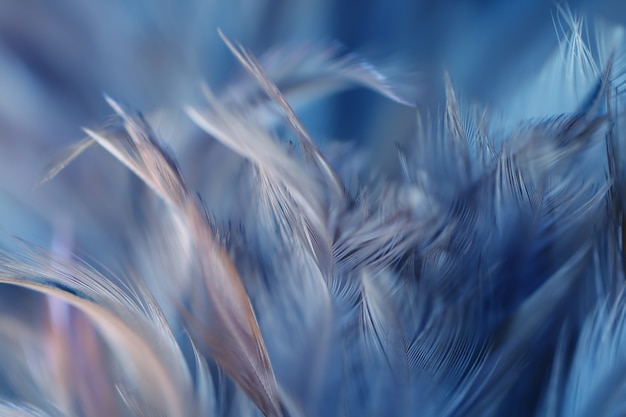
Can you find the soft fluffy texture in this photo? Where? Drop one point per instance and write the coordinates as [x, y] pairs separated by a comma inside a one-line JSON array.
[[215, 257]]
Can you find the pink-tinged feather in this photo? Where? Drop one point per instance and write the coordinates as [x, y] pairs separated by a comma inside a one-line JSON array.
[[233, 335]]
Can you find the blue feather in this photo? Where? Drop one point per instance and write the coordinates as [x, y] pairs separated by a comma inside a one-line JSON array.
[[305, 233]]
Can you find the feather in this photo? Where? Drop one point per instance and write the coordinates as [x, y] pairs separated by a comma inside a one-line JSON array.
[[234, 335], [384, 346], [453, 260], [117, 316], [327, 175], [72, 153], [11, 409], [594, 384], [310, 71], [250, 140]]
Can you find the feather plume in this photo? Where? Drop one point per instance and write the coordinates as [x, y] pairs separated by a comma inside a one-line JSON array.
[[456, 260], [233, 336]]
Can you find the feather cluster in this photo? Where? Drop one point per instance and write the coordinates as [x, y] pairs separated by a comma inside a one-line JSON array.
[[483, 275]]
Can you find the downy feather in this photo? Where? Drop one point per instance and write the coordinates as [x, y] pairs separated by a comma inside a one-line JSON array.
[[269, 271]]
